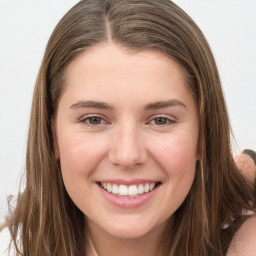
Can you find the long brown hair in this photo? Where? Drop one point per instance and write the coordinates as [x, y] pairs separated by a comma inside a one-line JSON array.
[[45, 218]]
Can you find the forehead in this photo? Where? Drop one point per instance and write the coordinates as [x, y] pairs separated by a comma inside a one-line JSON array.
[[109, 70], [107, 59]]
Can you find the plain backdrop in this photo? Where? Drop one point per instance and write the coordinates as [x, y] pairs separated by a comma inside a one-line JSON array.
[[25, 26]]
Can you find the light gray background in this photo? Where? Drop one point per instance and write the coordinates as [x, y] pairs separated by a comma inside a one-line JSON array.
[[25, 26]]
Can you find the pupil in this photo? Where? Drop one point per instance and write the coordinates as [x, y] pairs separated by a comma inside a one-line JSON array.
[[95, 120], [160, 120]]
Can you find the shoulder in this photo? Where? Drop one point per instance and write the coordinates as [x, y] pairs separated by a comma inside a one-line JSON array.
[[244, 240]]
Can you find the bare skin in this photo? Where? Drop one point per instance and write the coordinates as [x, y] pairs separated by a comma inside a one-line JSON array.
[[118, 122], [135, 247], [131, 120], [247, 167], [243, 243]]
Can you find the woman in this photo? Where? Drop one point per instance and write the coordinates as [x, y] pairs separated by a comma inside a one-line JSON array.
[[128, 147]]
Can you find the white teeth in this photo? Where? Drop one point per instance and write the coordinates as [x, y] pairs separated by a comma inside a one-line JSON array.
[[152, 186], [115, 189], [140, 189], [133, 191], [128, 191], [123, 190], [109, 187], [146, 188]]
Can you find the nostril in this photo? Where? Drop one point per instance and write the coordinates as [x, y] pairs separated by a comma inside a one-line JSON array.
[[128, 157]]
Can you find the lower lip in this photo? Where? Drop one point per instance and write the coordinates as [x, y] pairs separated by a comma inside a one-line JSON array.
[[124, 202]]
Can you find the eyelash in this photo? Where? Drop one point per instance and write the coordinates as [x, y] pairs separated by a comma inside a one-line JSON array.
[[86, 120], [167, 121], [101, 121]]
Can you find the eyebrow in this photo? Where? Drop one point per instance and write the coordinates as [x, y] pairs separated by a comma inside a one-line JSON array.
[[91, 104], [105, 106], [165, 104]]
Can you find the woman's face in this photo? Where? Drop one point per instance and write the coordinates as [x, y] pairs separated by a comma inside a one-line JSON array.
[[126, 132]]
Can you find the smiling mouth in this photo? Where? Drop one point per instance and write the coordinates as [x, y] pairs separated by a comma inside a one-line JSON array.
[[130, 191]]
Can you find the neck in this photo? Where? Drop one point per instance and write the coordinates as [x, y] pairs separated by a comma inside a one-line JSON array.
[[104, 244]]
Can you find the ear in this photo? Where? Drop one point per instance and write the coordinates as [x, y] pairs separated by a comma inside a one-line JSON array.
[[55, 140]]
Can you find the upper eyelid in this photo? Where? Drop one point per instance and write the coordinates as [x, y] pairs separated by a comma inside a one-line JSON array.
[[152, 117], [171, 118], [167, 119], [85, 118], [92, 115]]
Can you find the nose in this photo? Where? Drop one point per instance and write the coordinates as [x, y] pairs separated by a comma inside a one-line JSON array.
[[127, 148]]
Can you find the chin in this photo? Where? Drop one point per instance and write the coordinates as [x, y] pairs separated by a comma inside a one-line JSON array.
[[129, 233], [129, 228]]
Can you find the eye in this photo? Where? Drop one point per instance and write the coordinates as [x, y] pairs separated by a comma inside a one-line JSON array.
[[93, 121], [161, 121]]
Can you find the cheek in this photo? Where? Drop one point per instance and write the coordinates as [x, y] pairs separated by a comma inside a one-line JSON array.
[[178, 162], [79, 157], [177, 155], [80, 153]]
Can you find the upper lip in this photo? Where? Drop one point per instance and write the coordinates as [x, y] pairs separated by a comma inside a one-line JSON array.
[[129, 182]]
